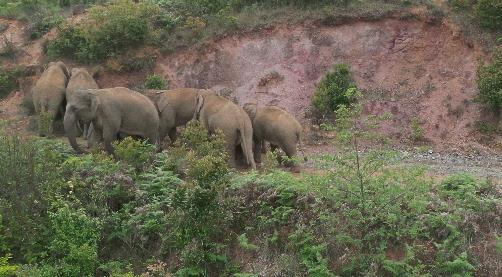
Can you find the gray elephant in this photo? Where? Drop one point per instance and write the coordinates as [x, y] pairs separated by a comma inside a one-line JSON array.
[[216, 112], [276, 126], [49, 96], [80, 79], [111, 111], [176, 107]]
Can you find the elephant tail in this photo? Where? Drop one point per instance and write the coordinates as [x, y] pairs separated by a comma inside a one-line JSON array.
[[300, 144], [247, 144]]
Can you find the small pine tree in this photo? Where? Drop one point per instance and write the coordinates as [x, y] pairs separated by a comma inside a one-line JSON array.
[[332, 91]]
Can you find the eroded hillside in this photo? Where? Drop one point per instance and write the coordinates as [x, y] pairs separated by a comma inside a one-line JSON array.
[[407, 67], [415, 70]]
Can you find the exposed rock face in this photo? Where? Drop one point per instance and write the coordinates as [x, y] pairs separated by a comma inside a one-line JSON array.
[[414, 70]]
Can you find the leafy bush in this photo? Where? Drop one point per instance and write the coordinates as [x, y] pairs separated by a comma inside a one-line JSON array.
[[74, 248], [334, 90], [7, 270], [490, 81], [156, 82], [109, 31], [41, 23], [134, 152], [8, 80], [489, 13]]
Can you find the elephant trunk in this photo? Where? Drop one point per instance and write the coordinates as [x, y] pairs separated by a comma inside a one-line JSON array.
[[70, 127]]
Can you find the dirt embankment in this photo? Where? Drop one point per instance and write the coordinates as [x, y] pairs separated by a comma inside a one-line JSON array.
[[417, 71]]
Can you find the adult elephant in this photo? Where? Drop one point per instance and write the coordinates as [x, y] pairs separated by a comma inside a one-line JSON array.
[[49, 95], [80, 79], [276, 126], [176, 107], [216, 112], [111, 111]]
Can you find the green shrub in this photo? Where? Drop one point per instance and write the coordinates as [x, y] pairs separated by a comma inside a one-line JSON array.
[[41, 23], [135, 152], [74, 245], [7, 270], [489, 13], [29, 179], [334, 90], [460, 4], [156, 82], [8, 80], [9, 50], [109, 31], [490, 81], [417, 131]]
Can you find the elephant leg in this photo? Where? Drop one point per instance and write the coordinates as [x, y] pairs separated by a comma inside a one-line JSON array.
[[173, 135], [257, 148], [109, 135], [153, 138], [94, 136], [231, 148], [231, 155], [167, 124], [263, 147]]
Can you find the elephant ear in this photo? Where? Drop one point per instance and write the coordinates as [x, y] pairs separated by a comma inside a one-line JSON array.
[[198, 107], [250, 109], [94, 102], [162, 102]]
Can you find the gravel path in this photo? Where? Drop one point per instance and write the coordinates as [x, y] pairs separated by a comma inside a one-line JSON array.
[[481, 165]]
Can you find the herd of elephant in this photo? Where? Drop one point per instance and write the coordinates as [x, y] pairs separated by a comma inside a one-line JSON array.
[[104, 115]]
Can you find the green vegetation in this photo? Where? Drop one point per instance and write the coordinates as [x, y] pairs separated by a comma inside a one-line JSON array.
[[8, 79], [117, 27], [490, 81], [417, 131], [489, 13], [184, 212], [336, 89], [155, 81], [109, 31]]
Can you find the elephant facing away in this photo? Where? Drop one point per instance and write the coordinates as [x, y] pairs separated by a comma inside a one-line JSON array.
[[216, 112], [111, 111], [80, 79], [49, 95], [276, 126], [176, 107]]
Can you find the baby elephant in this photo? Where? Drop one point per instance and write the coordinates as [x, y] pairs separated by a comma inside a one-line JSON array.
[[276, 126]]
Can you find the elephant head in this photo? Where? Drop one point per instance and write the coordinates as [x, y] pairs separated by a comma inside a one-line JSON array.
[[250, 109], [81, 107], [63, 67]]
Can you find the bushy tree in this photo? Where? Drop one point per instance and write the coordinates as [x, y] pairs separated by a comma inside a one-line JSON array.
[[490, 81], [333, 91], [155, 81], [108, 31], [489, 13]]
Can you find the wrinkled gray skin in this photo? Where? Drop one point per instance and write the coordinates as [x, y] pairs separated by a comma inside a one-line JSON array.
[[111, 111], [276, 126], [80, 80], [215, 112], [49, 91], [176, 107]]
